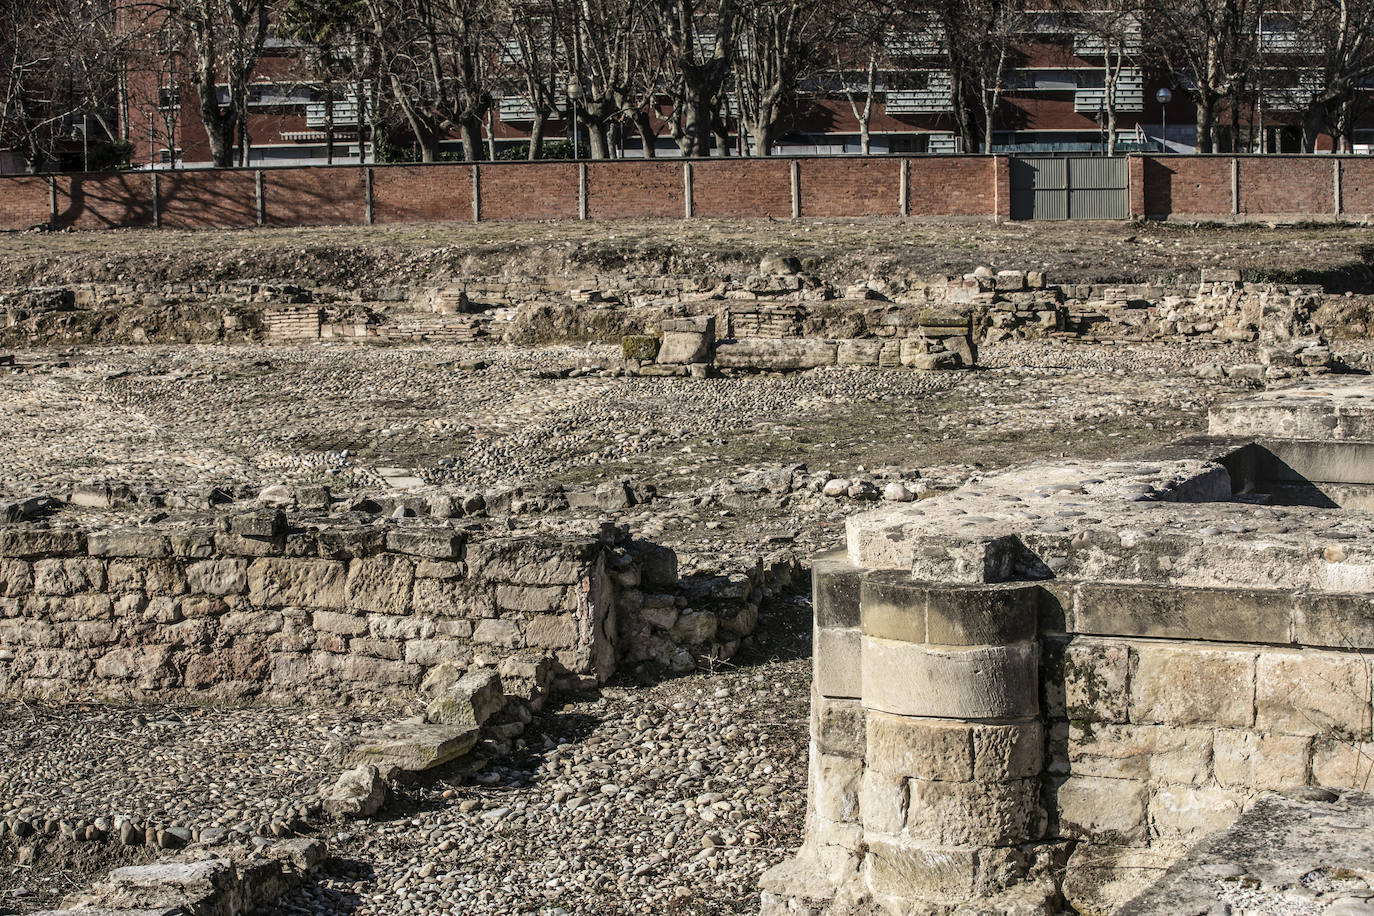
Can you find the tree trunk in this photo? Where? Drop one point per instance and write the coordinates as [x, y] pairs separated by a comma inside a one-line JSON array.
[[697, 123], [1206, 124], [597, 147], [647, 139], [1312, 121], [537, 135], [470, 132], [328, 124], [865, 138]]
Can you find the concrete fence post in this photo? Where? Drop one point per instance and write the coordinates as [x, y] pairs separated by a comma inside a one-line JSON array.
[[904, 187], [582, 190], [688, 191], [156, 185], [261, 196], [52, 201], [369, 214], [1337, 192], [796, 189], [1235, 187], [476, 193]]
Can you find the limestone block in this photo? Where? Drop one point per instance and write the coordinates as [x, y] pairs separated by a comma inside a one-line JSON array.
[[24, 542], [359, 792], [883, 801], [929, 748], [987, 682], [965, 560], [1220, 614], [470, 701], [639, 347], [128, 543], [900, 868], [381, 584], [974, 813], [16, 578], [451, 598], [528, 561], [338, 623], [1183, 685], [1188, 813], [383, 626], [497, 632], [859, 352], [1342, 763], [838, 726], [68, 577], [1155, 752], [1095, 677], [687, 346], [1313, 692], [530, 599], [429, 652], [551, 631], [1100, 879], [837, 787], [411, 745], [296, 583], [1248, 760], [1337, 621], [695, 627], [982, 614], [1008, 752], [1103, 810], [203, 886], [835, 586], [892, 606], [364, 669], [437, 543], [775, 353], [838, 656]]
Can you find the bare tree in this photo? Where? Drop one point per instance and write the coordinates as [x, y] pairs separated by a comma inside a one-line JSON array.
[[1111, 31], [1328, 57], [858, 53], [536, 42], [1211, 46], [696, 43], [778, 44], [612, 67]]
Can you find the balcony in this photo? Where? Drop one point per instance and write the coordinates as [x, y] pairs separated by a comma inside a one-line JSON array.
[[1130, 95]]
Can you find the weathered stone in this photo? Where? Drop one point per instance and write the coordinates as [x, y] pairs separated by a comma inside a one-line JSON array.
[[411, 745], [1103, 810], [468, 702], [381, 584], [1175, 685]]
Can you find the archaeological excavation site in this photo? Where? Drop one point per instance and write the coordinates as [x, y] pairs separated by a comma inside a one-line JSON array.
[[822, 567]]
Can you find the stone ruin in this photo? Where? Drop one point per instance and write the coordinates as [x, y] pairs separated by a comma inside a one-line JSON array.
[[1045, 686]]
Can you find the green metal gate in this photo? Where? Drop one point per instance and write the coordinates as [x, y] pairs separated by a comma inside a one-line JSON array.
[[1061, 187]]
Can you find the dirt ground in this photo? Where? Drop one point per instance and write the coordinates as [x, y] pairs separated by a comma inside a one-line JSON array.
[[1339, 256]]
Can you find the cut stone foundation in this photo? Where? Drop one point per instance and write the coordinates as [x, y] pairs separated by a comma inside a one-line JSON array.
[[1049, 683]]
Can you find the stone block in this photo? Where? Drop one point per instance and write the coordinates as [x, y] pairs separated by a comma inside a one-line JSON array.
[[883, 801], [531, 561], [695, 627], [217, 577], [892, 606], [435, 543], [1008, 752], [411, 745], [1184, 685], [551, 631], [430, 652], [1156, 611], [838, 655], [981, 614], [24, 542], [989, 682], [296, 583], [1095, 680], [16, 578], [128, 542], [1313, 692], [1155, 752], [1335, 621], [498, 632], [639, 347], [927, 748], [837, 786], [838, 726], [683, 346], [470, 701], [452, 598], [899, 868], [859, 352], [1188, 813], [338, 623], [1342, 763], [1249, 760], [1101, 810], [974, 813], [381, 584], [358, 793], [835, 586], [965, 560], [530, 599], [68, 577], [776, 353]]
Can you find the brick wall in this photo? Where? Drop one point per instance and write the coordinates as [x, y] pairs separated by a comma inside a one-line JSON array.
[[536, 190], [1357, 187], [951, 186], [422, 193], [104, 201], [23, 203], [1286, 186], [634, 189], [315, 196], [1187, 186], [743, 187], [850, 187], [207, 199]]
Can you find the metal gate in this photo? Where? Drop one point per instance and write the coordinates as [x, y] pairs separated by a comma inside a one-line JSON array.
[[1069, 188]]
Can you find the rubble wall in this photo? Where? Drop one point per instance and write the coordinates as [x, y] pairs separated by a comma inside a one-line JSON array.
[[252, 610]]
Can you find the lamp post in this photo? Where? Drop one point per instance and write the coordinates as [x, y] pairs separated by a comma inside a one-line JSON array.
[[1164, 97], [575, 95]]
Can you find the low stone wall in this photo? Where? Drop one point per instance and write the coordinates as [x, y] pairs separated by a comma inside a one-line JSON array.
[[257, 606], [1050, 683]]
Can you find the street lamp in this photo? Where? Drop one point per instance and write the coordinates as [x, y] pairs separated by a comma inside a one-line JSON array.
[[575, 95], [1164, 97]]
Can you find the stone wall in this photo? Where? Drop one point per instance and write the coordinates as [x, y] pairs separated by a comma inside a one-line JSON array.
[[1049, 683], [258, 606]]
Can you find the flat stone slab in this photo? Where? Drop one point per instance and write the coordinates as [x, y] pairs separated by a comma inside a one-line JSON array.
[[1338, 408], [412, 745], [1276, 858]]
